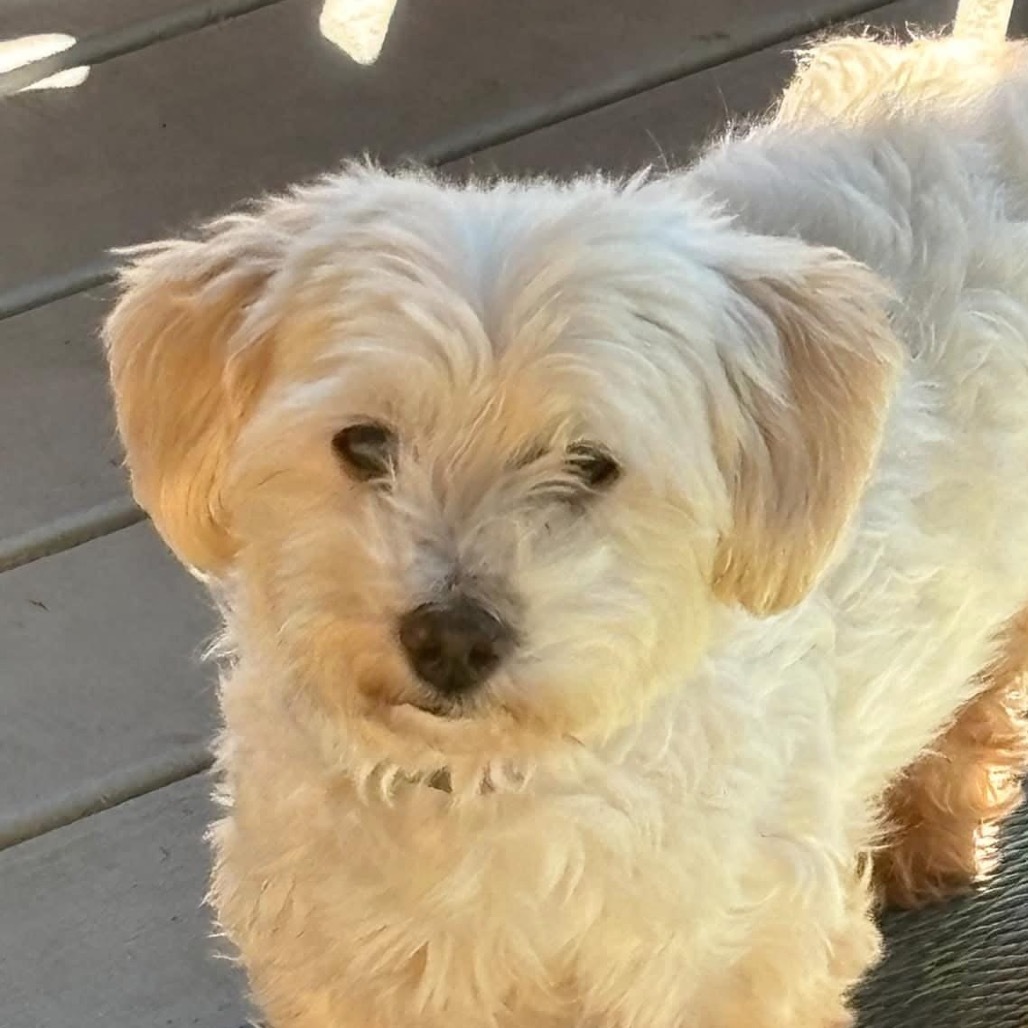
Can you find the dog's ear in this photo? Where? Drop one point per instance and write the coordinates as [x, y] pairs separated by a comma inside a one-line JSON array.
[[187, 361], [811, 360]]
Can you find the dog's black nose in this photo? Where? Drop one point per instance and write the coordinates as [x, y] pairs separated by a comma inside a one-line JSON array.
[[454, 646]]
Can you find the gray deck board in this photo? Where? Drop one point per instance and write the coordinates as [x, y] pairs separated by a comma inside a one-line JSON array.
[[664, 126], [75, 18], [102, 690], [103, 923], [177, 131], [58, 450], [37, 62]]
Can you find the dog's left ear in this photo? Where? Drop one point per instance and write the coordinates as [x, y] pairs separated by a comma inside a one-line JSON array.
[[811, 360], [187, 363]]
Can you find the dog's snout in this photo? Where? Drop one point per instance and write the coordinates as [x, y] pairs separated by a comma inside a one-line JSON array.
[[454, 646]]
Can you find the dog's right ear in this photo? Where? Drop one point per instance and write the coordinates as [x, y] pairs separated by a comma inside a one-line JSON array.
[[187, 361], [812, 361]]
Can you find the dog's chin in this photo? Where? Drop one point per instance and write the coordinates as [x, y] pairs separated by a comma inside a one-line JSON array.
[[427, 743], [479, 745]]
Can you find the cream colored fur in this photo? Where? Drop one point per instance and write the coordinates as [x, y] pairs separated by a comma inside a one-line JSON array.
[[808, 352]]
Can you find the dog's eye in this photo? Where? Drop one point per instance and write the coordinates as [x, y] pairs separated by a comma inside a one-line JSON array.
[[367, 449], [593, 466]]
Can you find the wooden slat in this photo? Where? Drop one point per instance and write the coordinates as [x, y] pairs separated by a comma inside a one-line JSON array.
[[179, 130], [103, 923], [58, 450], [31, 62], [666, 125], [78, 17], [103, 694]]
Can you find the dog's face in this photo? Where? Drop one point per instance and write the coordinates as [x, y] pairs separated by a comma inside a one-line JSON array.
[[478, 468]]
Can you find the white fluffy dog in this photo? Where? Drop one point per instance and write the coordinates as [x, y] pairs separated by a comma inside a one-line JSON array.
[[601, 561]]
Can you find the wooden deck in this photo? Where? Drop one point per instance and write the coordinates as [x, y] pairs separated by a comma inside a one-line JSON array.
[[105, 708]]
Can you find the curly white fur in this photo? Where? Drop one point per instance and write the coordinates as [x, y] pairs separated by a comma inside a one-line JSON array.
[[809, 353]]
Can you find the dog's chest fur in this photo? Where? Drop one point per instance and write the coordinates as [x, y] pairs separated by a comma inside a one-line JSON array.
[[646, 851]]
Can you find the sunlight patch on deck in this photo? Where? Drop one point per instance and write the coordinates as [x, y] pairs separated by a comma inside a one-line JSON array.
[[16, 53], [357, 27]]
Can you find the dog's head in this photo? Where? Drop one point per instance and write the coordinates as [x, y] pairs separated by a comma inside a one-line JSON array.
[[481, 466]]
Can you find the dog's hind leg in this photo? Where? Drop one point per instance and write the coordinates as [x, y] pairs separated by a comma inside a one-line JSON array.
[[943, 813]]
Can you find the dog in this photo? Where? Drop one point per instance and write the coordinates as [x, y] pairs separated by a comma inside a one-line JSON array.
[[623, 581]]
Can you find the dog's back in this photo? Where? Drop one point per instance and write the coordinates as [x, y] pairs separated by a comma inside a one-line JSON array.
[[976, 84], [858, 79]]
